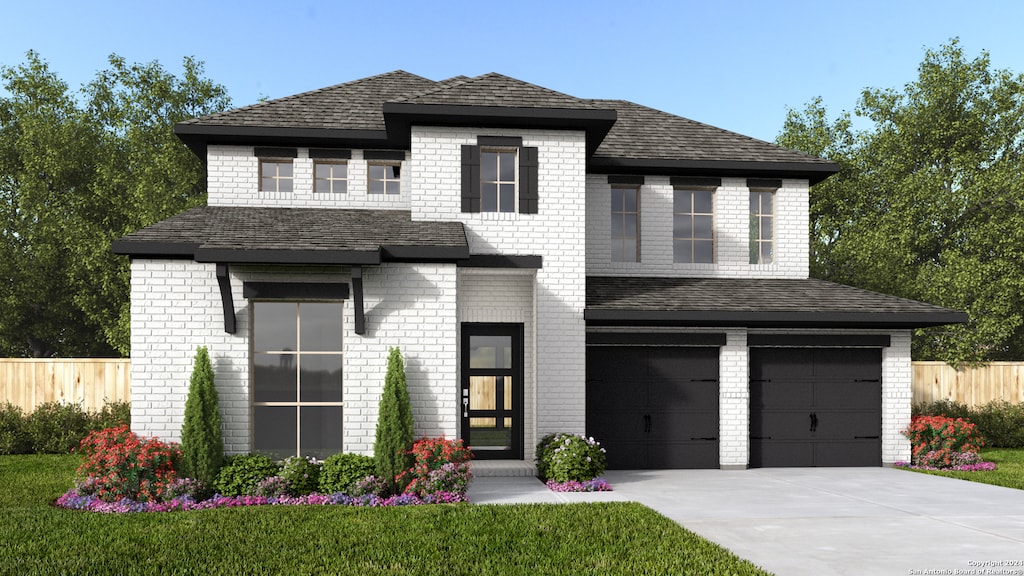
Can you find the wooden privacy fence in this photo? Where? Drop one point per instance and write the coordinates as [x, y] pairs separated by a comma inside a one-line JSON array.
[[91, 382], [971, 385]]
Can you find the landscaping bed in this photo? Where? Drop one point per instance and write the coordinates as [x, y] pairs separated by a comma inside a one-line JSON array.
[[1009, 471], [450, 539]]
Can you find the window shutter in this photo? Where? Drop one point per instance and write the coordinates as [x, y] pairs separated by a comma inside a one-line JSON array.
[[528, 197], [470, 178]]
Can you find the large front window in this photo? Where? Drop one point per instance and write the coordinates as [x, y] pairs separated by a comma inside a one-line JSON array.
[[498, 181], [296, 378]]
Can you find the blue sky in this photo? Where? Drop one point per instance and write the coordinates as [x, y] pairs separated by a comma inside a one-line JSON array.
[[736, 64]]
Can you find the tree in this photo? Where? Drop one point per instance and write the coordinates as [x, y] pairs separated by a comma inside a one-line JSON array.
[[202, 446], [927, 204], [77, 173], [394, 435]]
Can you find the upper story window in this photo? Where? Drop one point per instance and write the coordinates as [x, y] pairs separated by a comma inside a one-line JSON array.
[[498, 180], [384, 178], [762, 226], [330, 170], [499, 175], [625, 224], [276, 171], [331, 176], [276, 175], [693, 229]]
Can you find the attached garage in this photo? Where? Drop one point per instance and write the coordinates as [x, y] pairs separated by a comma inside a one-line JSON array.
[[654, 406], [815, 407]]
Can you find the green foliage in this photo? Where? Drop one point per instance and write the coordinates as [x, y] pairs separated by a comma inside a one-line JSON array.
[[341, 471], [241, 474], [202, 446], [612, 539], [1000, 422], [14, 435], [112, 415], [57, 428], [1009, 470], [78, 171], [394, 435], [570, 457], [928, 201], [301, 475]]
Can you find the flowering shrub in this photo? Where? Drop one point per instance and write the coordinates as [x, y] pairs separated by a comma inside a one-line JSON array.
[[440, 465], [301, 474], [565, 457], [593, 485], [272, 487], [942, 436], [369, 486], [185, 488], [118, 464]]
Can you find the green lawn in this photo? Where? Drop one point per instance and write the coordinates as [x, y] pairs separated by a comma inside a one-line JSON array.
[[1009, 470], [613, 538]]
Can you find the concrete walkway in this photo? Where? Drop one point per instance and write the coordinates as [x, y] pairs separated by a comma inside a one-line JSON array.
[[820, 521]]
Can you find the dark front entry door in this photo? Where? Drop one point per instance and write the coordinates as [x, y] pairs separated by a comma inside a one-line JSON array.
[[654, 407], [491, 397], [815, 407]]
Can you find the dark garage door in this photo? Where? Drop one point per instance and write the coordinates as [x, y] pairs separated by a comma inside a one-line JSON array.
[[654, 407], [815, 407]]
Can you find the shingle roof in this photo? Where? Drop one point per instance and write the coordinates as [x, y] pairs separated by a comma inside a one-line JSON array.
[[355, 105], [753, 302], [642, 139], [297, 235]]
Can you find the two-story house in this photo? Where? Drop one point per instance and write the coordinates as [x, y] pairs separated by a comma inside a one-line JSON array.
[[545, 263]]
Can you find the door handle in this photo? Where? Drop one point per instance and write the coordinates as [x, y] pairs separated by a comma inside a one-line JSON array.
[[814, 422], [647, 423], [811, 416]]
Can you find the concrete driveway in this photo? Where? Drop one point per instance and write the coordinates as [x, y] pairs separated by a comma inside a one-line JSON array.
[[862, 521]]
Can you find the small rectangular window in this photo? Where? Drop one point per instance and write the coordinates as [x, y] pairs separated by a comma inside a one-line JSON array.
[[384, 178], [625, 225], [762, 228], [693, 226], [276, 175], [498, 180], [330, 177]]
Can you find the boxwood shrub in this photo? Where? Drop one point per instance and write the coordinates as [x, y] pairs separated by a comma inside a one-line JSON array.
[[340, 472], [241, 474]]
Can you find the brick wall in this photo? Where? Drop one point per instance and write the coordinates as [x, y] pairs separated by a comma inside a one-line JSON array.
[[897, 390], [732, 222], [734, 401], [233, 180]]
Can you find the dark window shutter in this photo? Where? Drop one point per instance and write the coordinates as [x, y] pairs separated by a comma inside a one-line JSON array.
[[470, 178], [528, 197]]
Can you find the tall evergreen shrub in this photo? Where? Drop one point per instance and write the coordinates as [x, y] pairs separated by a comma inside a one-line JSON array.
[[394, 425], [202, 447]]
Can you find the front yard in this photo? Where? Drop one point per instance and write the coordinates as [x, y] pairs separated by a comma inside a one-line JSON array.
[[449, 539]]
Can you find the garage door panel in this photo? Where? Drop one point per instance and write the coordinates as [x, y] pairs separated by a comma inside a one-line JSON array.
[[848, 453], [624, 455], [785, 424], [839, 425], [780, 363], [781, 453], [862, 395], [624, 425], [684, 455], [615, 395], [687, 426], [781, 394], [684, 395], [848, 363], [674, 364], [616, 364]]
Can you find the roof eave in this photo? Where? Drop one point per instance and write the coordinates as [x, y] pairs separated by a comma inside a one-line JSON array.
[[401, 116], [772, 319], [814, 172], [198, 136]]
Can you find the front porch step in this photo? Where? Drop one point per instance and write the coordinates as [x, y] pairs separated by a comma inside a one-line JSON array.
[[502, 468]]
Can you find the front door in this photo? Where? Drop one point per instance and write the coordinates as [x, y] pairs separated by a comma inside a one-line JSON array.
[[491, 396]]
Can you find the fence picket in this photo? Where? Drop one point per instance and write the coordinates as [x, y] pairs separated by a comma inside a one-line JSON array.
[[91, 382]]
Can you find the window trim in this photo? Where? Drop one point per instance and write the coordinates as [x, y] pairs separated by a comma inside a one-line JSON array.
[[636, 189], [756, 243], [331, 181], [369, 178], [693, 238], [514, 150], [298, 404], [277, 178]]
